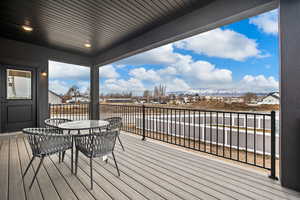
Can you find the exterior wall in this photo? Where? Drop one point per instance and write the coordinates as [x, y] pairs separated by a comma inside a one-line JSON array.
[[24, 54], [53, 98], [270, 100]]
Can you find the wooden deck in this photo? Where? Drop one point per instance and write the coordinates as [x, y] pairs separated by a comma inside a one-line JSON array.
[[148, 171]]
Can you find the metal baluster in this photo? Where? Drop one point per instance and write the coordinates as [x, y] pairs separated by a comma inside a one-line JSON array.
[[194, 130], [156, 129], [189, 128], [167, 125], [210, 131], [230, 135], [184, 130], [204, 131], [254, 138], [199, 130], [224, 124], [246, 138], [180, 133], [217, 132], [264, 142], [164, 124], [175, 118], [238, 136]]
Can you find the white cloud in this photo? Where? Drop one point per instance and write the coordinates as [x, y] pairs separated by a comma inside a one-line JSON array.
[[176, 85], [167, 71], [121, 85], [59, 87], [143, 74], [223, 44], [267, 22], [159, 56], [64, 70], [83, 85], [108, 71], [259, 83], [204, 71]]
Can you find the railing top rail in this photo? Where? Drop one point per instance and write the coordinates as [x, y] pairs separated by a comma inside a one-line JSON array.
[[194, 109], [64, 104]]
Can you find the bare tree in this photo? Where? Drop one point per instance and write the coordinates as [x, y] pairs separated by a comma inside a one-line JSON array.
[[146, 93], [248, 97]]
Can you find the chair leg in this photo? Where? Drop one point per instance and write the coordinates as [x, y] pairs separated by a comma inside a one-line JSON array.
[[33, 157], [91, 171], [76, 160], [59, 157], [63, 156], [115, 162], [121, 143], [37, 171], [72, 156]]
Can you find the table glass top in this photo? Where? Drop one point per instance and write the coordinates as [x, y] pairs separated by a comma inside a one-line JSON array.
[[84, 124]]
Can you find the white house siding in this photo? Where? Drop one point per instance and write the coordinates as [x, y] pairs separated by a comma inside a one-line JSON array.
[[53, 98], [270, 100]]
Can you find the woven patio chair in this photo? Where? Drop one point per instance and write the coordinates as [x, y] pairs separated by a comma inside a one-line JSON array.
[[45, 142], [115, 123], [53, 123], [96, 145]]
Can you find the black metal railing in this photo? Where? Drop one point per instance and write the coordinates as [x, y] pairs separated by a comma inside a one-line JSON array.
[[240, 136], [70, 111]]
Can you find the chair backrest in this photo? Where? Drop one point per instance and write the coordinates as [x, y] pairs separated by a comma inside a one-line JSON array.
[[114, 123], [54, 122], [97, 144], [46, 141]]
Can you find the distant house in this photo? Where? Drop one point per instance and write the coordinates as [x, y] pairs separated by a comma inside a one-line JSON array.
[[78, 99], [54, 98], [272, 98], [233, 100]]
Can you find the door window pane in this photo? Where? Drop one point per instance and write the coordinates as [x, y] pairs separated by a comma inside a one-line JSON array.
[[18, 84]]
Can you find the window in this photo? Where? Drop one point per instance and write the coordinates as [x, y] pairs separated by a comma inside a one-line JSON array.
[[18, 84]]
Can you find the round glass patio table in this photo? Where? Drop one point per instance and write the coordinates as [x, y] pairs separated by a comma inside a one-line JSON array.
[[82, 125], [75, 127]]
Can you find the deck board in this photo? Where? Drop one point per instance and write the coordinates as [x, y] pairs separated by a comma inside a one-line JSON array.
[[199, 165], [16, 186], [35, 192], [4, 160], [74, 183], [184, 169], [176, 175], [149, 170], [46, 186]]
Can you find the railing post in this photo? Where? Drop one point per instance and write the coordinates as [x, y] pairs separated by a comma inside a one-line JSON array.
[[144, 121], [273, 146]]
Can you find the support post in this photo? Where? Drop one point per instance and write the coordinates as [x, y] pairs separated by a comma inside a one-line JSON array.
[[273, 146], [94, 84], [289, 93], [144, 121]]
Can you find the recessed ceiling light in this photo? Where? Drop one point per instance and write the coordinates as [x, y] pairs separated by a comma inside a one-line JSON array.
[[27, 28], [87, 45]]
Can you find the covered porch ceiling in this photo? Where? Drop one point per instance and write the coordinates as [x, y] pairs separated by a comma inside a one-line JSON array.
[[107, 30], [68, 25]]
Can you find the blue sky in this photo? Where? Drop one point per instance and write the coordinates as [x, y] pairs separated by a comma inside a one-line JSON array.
[[242, 56]]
